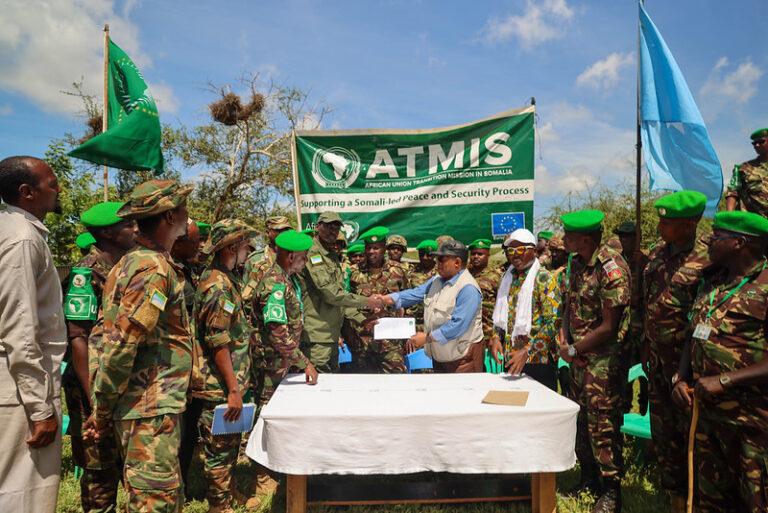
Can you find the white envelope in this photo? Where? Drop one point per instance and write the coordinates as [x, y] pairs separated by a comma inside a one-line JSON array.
[[394, 328]]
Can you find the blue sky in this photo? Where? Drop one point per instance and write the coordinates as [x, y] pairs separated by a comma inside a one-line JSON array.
[[401, 64]]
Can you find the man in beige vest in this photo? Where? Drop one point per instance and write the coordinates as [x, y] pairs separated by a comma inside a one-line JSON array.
[[32, 340], [453, 330]]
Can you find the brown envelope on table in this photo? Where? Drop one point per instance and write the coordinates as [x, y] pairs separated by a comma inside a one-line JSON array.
[[506, 397]]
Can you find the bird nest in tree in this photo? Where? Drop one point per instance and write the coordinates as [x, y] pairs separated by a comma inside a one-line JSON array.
[[95, 126], [229, 109]]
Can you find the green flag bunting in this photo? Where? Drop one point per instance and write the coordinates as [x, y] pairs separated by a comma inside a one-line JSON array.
[[132, 140]]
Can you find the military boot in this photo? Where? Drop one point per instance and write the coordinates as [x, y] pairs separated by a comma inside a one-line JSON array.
[[588, 483], [610, 500], [250, 503], [265, 483]]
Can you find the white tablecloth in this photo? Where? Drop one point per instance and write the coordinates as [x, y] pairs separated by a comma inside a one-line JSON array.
[[398, 424]]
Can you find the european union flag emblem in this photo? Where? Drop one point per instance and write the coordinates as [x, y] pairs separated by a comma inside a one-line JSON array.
[[502, 224]]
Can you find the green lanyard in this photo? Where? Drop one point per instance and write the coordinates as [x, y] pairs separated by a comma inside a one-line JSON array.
[[732, 292], [298, 292]]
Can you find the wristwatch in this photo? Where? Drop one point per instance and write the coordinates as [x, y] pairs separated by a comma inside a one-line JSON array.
[[572, 351], [725, 380]]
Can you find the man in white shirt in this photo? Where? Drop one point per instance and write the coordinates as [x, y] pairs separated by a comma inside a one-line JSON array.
[[32, 339]]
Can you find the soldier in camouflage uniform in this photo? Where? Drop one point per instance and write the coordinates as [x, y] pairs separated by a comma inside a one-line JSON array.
[[595, 321], [396, 247], [224, 359], [356, 255], [326, 302], [101, 461], [379, 276], [146, 351], [421, 273], [277, 317], [748, 188], [636, 260], [559, 259], [729, 354], [487, 278], [671, 280], [542, 248]]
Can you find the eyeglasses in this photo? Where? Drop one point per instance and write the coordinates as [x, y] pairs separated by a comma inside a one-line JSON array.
[[713, 238], [520, 250], [758, 142]]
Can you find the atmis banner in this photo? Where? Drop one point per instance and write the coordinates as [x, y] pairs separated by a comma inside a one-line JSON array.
[[468, 181]]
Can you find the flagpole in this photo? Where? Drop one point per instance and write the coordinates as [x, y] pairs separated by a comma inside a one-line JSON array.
[[638, 146], [105, 117]]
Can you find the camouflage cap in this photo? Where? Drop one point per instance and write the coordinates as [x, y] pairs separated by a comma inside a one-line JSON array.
[[329, 216], [758, 134], [397, 240], [226, 232], [556, 242], [278, 223], [85, 240], [102, 214], [443, 238], [154, 197]]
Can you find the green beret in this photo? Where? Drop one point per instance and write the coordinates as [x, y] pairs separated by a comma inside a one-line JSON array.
[[681, 204], [375, 234], [204, 228], [308, 232], [102, 214], [85, 240], [154, 197], [480, 243], [626, 228], [356, 248], [329, 217], [225, 233], [757, 134], [545, 235], [427, 245], [747, 223], [293, 241], [582, 221]]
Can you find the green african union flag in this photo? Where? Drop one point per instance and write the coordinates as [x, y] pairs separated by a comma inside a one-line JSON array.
[[133, 138]]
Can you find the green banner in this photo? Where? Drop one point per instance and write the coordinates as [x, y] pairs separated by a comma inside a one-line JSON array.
[[469, 181]]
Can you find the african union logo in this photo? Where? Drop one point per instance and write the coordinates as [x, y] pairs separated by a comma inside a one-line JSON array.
[[335, 167], [351, 230], [78, 280]]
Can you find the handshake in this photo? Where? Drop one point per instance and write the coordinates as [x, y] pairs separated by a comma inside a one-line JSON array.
[[378, 302]]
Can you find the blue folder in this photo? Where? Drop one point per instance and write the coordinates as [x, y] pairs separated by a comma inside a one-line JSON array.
[[241, 425], [418, 360]]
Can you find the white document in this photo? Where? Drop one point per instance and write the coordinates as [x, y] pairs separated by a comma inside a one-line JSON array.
[[394, 328]]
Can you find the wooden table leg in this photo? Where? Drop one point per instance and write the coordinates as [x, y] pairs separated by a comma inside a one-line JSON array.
[[543, 493], [296, 494]]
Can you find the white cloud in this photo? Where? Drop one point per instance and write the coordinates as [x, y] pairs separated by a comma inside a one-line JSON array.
[[6, 110], [547, 133], [45, 46], [541, 21], [604, 74], [166, 100], [726, 86], [571, 180]]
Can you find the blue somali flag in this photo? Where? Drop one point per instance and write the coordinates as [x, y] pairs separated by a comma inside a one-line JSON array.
[[505, 223]]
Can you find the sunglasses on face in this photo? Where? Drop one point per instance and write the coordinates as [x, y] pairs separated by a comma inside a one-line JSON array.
[[520, 250], [713, 238]]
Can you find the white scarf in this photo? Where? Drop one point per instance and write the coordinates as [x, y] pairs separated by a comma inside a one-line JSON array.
[[524, 309]]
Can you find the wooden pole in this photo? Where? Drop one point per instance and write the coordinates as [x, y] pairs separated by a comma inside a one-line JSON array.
[[638, 155], [691, 443], [105, 117]]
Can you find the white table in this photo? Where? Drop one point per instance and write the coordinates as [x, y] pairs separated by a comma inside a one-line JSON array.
[[399, 424]]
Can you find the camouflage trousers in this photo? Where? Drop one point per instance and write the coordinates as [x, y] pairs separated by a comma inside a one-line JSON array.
[[323, 355], [101, 462], [630, 355], [599, 441], [273, 375], [732, 466], [220, 454], [669, 428], [151, 475], [381, 356]]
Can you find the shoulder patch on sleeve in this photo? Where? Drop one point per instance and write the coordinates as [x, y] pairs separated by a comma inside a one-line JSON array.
[[274, 310], [316, 259], [158, 300], [612, 269], [229, 306]]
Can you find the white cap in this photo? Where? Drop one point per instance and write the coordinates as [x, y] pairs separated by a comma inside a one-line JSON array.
[[520, 235]]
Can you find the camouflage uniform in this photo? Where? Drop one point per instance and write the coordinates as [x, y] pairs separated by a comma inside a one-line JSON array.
[[101, 462], [731, 449], [419, 276], [489, 280], [326, 304], [143, 374], [631, 348], [220, 322], [378, 356], [277, 320], [749, 185], [670, 282], [596, 386]]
